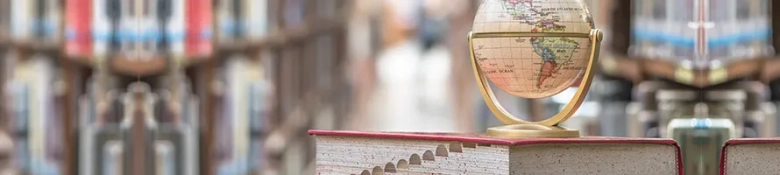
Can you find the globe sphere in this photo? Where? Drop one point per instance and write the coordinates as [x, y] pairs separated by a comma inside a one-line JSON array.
[[532, 67]]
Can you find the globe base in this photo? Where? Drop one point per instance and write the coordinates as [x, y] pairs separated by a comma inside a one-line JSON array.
[[532, 131]]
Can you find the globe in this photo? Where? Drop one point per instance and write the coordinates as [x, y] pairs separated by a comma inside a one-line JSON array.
[[532, 67]]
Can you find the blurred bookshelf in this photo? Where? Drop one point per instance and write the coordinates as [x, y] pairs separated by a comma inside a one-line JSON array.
[[216, 86]]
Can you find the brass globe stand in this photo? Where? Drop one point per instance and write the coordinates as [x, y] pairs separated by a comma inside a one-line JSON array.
[[548, 128]]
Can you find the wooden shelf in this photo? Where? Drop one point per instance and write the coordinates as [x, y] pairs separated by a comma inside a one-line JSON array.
[[138, 66], [87, 61], [232, 46], [199, 60], [291, 34], [278, 38], [763, 69], [38, 46]]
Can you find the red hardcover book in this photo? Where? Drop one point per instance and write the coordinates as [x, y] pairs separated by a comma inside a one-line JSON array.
[[353, 152], [199, 28], [78, 25], [750, 156]]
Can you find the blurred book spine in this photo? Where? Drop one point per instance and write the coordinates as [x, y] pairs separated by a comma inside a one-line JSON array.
[[78, 28], [149, 35], [165, 158], [199, 28], [272, 15], [229, 20], [256, 18], [21, 19], [244, 117], [113, 160], [20, 109], [102, 34], [328, 9], [5, 17], [129, 30], [18, 96], [236, 113], [41, 148], [294, 12], [176, 28], [38, 19], [51, 20], [259, 92]]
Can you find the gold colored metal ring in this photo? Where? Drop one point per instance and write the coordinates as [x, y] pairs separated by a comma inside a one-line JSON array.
[[532, 131], [595, 35]]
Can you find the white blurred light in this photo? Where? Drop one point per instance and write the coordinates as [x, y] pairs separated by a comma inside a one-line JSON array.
[[406, 12], [565, 96]]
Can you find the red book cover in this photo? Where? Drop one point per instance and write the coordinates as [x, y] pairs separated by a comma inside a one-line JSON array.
[[78, 27], [485, 139], [199, 28], [741, 141]]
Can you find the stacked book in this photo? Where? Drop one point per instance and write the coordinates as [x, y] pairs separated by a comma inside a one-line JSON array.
[[750, 156], [349, 152]]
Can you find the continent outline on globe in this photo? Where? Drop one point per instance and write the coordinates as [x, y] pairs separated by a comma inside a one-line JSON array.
[[557, 61]]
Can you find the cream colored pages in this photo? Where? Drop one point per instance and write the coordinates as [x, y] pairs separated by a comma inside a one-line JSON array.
[[752, 159]]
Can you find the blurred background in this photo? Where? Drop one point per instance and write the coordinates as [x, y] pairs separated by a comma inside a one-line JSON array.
[[233, 86]]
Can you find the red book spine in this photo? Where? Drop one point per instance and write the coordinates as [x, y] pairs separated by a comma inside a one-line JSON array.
[[78, 27], [199, 24]]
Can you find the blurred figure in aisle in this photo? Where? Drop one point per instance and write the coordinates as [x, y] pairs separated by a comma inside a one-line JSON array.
[[412, 84], [363, 43]]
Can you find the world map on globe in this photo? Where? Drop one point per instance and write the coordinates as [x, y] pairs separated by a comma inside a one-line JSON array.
[[532, 67]]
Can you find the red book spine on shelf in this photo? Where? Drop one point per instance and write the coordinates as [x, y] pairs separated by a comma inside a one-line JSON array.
[[78, 27], [199, 24]]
